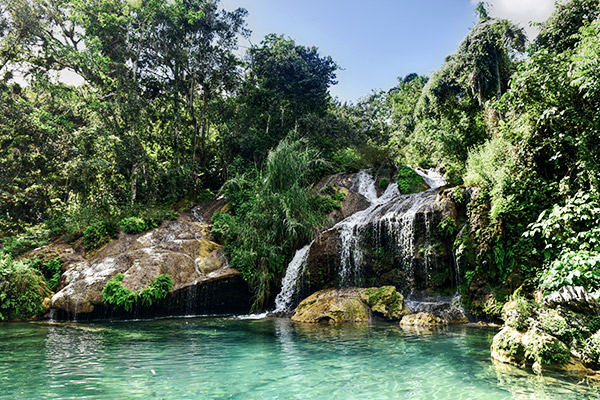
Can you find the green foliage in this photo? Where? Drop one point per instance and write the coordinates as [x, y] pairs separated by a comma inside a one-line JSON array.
[[272, 214], [554, 324], [547, 350], [591, 350], [573, 268], [205, 195], [117, 296], [51, 271], [408, 180], [327, 204], [339, 196], [458, 195], [347, 159], [22, 290], [133, 225], [95, 235], [383, 183], [16, 245], [157, 290], [447, 227]]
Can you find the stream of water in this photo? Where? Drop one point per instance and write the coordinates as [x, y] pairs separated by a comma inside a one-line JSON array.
[[235, 358]]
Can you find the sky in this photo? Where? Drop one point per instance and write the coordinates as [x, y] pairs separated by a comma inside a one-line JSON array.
[[377, 41]]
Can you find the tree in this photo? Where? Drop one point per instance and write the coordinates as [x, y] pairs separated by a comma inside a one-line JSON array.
[[286, 83]]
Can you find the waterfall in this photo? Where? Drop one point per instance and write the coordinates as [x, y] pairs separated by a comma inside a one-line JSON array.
[[283, 301], [389, 218]]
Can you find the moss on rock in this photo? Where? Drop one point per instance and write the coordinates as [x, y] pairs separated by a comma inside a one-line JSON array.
[[333, 305], [386, 301], [422, 319]]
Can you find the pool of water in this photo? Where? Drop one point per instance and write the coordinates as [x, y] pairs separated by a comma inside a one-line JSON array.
[[234, 358]]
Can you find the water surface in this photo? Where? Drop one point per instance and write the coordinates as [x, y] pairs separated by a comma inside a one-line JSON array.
[[232, 358]]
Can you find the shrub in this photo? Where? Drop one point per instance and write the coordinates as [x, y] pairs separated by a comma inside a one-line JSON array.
[[205, 195], [546, 349], [408, 180], [17, 245], [273, 213], [158, 290], [327, 204], [95, 235], [383, 183], [339, 196], [555, 325], [22, 290], [591, 350], [133, 225], [347, 159], [51, 271], [117, 296]]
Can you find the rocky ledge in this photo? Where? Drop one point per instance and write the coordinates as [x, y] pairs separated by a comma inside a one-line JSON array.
[[202, 280]]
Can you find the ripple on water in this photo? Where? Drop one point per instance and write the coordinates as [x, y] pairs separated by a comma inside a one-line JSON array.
[[262, 359]]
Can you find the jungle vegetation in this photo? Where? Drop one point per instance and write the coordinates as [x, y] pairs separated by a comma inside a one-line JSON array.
[[172, 112]]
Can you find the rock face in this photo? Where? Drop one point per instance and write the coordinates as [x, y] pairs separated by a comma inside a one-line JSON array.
[[576, 299], [181, 248], [351, 305], [396, 241], [422, 319]]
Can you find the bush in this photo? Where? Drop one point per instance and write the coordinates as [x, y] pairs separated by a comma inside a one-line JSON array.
[[591, 350], [383, 183], [273, 213], [117, 296], [133, 225], [22, 290], [205, 195], [327, 204], [16, 245], [347, 159], [546, 349], [51, 271], [95, 235], [158, 290], [408, 180]]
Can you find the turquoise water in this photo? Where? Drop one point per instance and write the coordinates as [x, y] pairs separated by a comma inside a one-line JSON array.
[[230, 358]]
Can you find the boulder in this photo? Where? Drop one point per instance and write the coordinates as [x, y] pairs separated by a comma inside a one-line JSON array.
[[386, 301], [535, 348], [183, 249], [574, 298], [333, 305], [422, 319]]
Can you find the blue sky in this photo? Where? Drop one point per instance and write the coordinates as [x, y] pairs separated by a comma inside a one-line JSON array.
[[376, 41]]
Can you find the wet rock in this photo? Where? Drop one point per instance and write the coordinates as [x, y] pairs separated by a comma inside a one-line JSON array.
[[574, 298], [333, 305], [422, 319]]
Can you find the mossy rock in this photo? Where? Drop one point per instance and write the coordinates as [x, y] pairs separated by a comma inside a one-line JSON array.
[[386, 301], [422, 319], [333, 306], [533, 348]]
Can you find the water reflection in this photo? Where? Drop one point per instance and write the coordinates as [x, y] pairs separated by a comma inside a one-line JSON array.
[[262, 359]]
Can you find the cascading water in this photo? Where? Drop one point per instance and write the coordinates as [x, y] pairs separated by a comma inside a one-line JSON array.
[[389, 217], [283, 301]]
